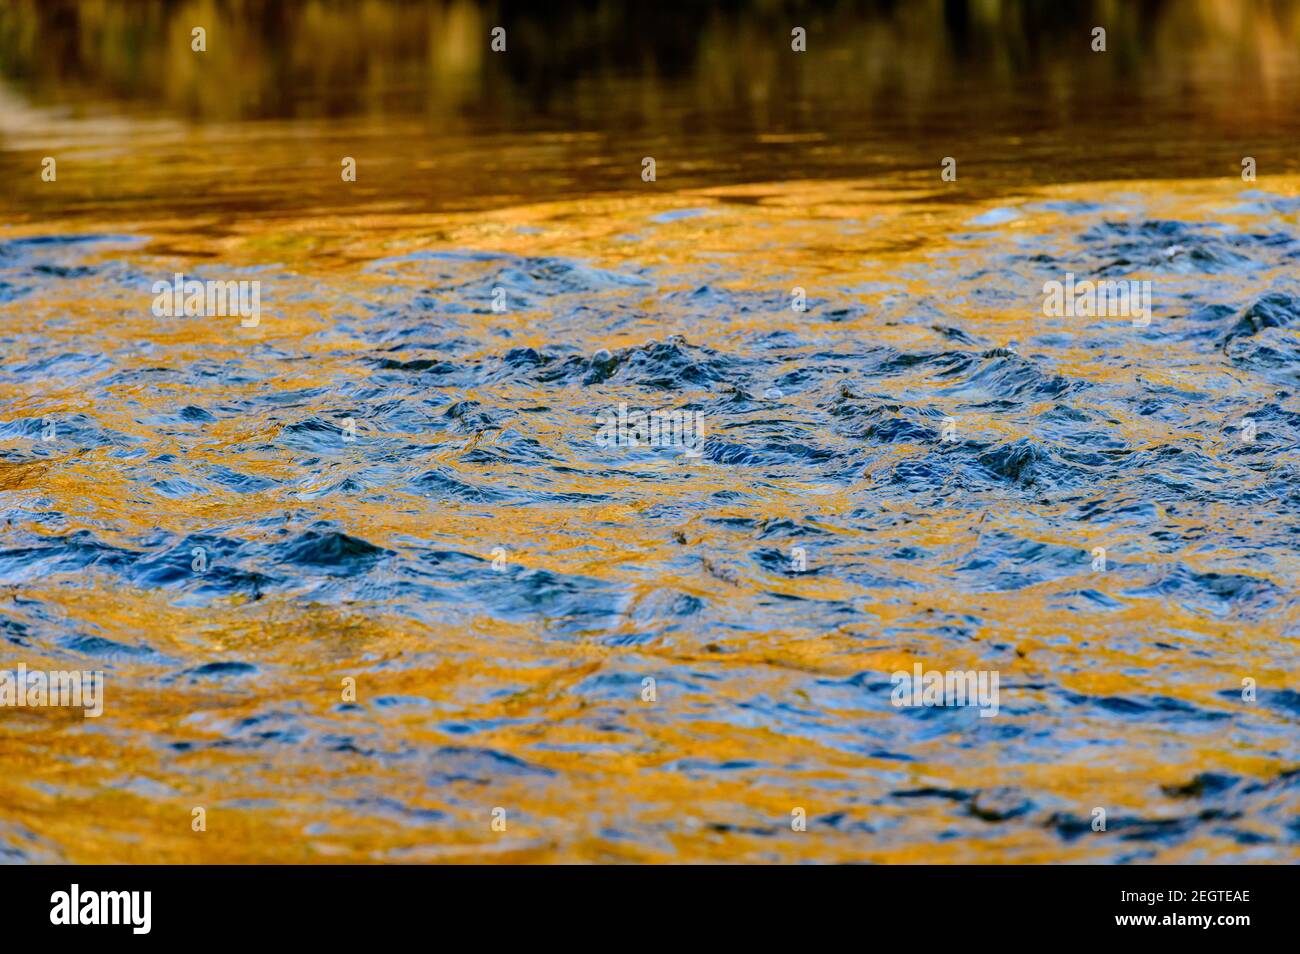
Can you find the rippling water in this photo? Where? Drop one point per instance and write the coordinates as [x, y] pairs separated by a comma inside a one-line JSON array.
[[394, 483], [521, 687]]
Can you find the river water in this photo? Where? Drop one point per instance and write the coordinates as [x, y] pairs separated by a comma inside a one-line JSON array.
[[365, 572]]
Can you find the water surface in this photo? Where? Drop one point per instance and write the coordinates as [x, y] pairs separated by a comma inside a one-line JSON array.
[[520, 685]]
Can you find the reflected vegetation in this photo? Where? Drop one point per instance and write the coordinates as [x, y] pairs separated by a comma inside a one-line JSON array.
[[1183, 89], [608, 64]]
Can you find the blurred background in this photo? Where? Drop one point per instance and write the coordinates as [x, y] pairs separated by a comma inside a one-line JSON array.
[[1013, 87]]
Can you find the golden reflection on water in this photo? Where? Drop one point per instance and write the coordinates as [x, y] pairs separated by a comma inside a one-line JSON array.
[[360, 785], [108, 791]]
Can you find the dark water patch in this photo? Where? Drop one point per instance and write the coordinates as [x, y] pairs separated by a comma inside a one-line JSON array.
[[1203, 322], [477, 766], [1273, 310], [16, 632], [64, 365], [1204, 785], [230, 669], [941, 364], [783, 563], [440, 485], [482, 282], [543, 592], [409, 703], [392, 808], [1005, 561], [240, 483], [20, 845], [734, 401], [841, 822], [1009, 375], [77, 431], [1285, 781], [1170, 247], [766, 441], [847, 404], [1086, 601], [931, 474], [897, 430], [1271, 355], [276, 727], [702, 768], [450, 346], [1024, 463], [330, 551], [996, 375], [432, 366], [768, 453], [177, 489], [561, 369], [514, 451], [1146, 708], [1284, 701], [471, 416], [531, 281], [784, 526], [47, 249], [1130, 827], [1000, 804], [206, 565], [1218, 594], [730, 828], [453, 566], [525, 359], [891, 756], [672, 365], [837, 311], [951, 333], [1259, 202], [1231, 799], [21, 245], [567, 602], [349, 745], [328, 437], [948, 794], [108, 649], [1274, 426], [1067, 207], [73, 553], [63, 271], [1167, 467], [717, 299], [195, 414]]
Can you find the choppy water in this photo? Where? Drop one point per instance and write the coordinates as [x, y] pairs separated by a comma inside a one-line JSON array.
[[389, 481], [521, 687]]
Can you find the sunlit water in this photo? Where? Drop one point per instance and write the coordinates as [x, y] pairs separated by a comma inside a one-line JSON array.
[[394, 483]]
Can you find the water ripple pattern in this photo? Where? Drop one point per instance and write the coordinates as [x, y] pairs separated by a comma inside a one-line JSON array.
[[396, 479]]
